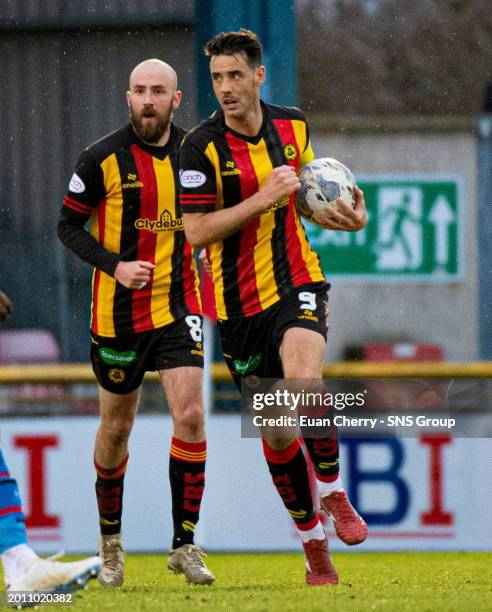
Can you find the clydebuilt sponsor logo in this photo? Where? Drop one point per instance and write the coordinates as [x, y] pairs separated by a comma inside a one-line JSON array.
[[166, 223], [192, 178], [112, 357]]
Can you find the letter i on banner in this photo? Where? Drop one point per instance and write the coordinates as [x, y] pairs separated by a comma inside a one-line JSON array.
[[36, 447]]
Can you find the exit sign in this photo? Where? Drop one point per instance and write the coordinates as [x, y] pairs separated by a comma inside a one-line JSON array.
[[415, 232]]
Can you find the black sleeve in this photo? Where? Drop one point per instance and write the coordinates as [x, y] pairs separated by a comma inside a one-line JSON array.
[[85, 191], [73, 235]]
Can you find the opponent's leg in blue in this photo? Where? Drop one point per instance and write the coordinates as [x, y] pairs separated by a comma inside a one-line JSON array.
[[12, 520]]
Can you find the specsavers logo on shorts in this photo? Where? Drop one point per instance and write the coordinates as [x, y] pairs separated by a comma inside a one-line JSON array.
[[112, 357], [191, 178], [166, 223], [245, 367]]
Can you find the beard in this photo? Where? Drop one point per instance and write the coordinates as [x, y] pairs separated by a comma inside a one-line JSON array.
[[150, 132]]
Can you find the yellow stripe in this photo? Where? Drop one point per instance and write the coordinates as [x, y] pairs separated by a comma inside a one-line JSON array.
[[308, 255], [94, 231], [188, 459], [265, 280], [175, 449], [213, 156], [160, 310], [111, 241], [300, 131], [297, 513], [190, 454], [199, 458], [307, 155], [215, 249], [184, 450], [188, 526]]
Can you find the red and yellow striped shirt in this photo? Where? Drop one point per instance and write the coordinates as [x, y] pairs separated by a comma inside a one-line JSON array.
[[129, 192], [256, 266]]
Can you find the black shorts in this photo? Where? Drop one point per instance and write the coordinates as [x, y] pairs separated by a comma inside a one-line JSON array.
[[251, 344], [120, 363]]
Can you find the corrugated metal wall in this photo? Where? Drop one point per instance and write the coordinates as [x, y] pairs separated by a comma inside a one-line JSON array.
[[61, 90], [34, 14]]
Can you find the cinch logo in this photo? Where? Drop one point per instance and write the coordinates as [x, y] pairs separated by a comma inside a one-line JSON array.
[[232, 169], [191, 178], [166, 223]]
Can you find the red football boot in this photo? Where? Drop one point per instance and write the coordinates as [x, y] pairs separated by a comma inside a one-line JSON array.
[[319, 568], [349, 526]]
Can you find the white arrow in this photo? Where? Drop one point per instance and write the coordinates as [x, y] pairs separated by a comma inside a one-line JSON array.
[[441, 215]]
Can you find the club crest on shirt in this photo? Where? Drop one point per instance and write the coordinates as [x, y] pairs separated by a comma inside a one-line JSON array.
[[290, 152]]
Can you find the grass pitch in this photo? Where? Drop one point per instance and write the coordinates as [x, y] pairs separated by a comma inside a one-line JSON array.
[[266, 582]]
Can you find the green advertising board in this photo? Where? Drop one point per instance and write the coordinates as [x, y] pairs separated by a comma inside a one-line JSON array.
[[414, 232]]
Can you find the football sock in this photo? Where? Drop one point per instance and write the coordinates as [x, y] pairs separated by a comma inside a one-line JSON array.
[[323, 453], [187, 478], [109, 493], [289, 473], [325, 488], [315, 533]]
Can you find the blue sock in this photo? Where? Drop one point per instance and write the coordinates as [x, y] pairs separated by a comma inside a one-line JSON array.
[[12, 520]]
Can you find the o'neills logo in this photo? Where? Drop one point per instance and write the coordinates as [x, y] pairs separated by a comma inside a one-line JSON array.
[[166, 223]]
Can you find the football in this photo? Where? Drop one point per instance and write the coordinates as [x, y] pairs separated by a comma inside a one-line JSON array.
[[322, 182]]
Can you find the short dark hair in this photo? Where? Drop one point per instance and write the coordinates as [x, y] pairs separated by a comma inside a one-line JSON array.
[[230, 43]]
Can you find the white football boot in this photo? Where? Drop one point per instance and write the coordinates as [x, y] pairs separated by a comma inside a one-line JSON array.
[[49, 575]]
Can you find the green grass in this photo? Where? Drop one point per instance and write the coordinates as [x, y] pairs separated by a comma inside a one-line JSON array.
[[266, 582]]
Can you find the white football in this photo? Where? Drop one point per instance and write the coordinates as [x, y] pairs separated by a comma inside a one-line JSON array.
[[323, 181]]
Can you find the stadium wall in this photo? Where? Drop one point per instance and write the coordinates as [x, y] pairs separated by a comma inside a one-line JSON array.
[[409, 490], [437, 313], [63, 89]]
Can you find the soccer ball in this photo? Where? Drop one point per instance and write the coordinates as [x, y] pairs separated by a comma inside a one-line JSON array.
[[322, 182]]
